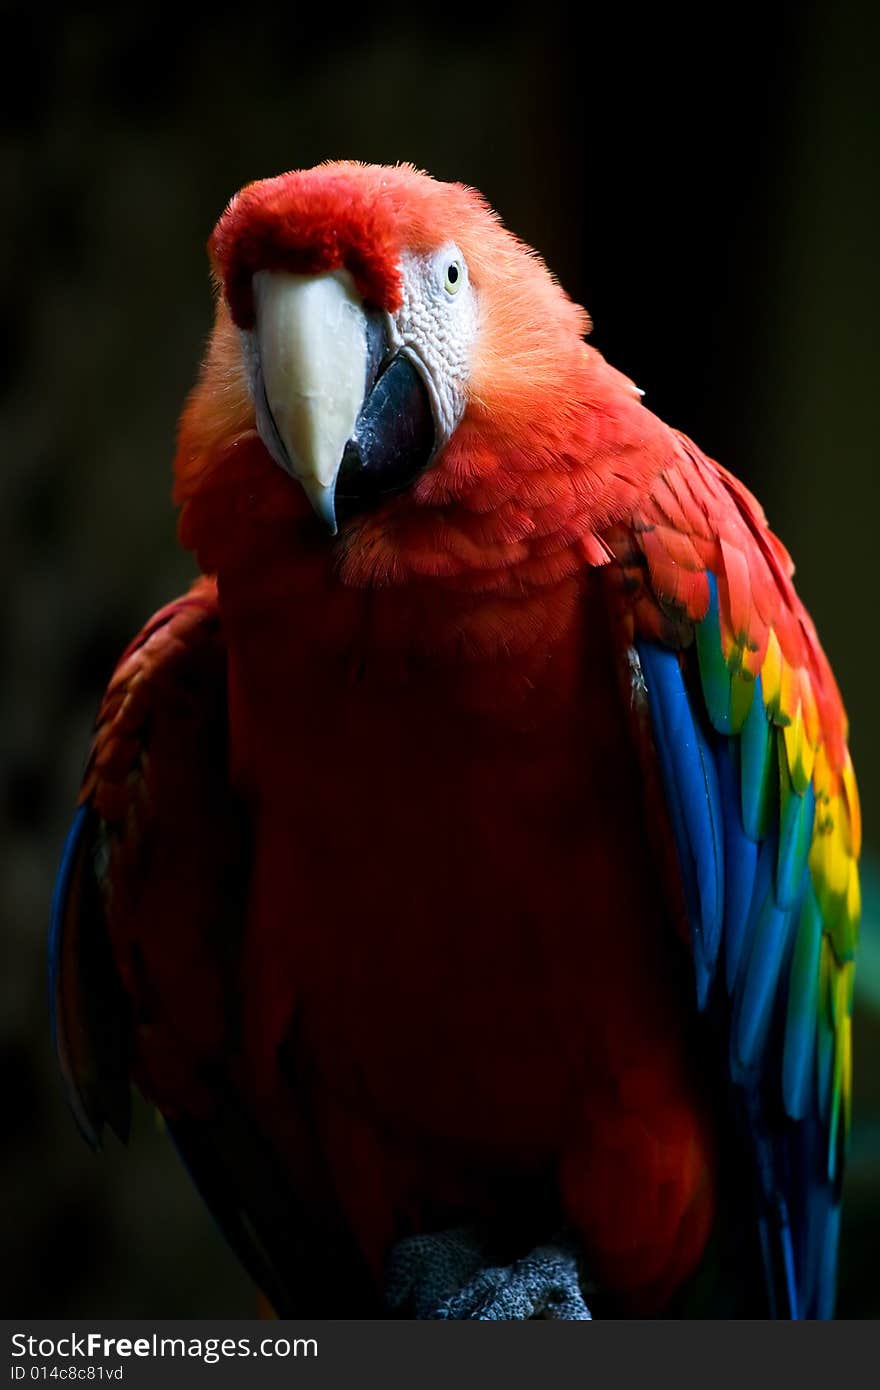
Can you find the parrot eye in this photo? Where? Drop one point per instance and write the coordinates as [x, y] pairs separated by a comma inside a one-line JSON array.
[[454, 277]]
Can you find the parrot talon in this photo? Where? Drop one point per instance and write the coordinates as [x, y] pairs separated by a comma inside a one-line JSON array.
[[444, 1276]]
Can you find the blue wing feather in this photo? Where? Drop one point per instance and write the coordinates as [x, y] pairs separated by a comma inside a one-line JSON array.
[[799, 1053], [756, 992], [741, 862], [743, 836], [88, 1008], [758, 761], [692, 787], [69, 856]]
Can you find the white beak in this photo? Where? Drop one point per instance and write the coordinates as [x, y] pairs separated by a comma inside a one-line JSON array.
[[311, 332]]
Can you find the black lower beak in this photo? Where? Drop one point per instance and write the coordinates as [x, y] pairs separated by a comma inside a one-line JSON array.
[[393, 440]]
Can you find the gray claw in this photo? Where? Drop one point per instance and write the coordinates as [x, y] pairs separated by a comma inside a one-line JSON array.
[[443, 1276], [424, 1270]]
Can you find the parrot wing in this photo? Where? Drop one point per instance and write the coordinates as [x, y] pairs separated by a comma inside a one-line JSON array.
[[147, 913], [147, 920], [144, 899], [742, 735]]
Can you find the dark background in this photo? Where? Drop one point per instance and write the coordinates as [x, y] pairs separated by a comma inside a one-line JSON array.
[[704, 181]]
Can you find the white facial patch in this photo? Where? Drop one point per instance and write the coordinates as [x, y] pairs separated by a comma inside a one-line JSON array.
[[435, 327]]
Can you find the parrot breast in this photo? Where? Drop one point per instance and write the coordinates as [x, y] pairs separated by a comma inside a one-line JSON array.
[[453, 939]]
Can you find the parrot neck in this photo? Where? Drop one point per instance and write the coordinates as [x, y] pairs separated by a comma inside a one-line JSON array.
[[315, 667], [294, 622]]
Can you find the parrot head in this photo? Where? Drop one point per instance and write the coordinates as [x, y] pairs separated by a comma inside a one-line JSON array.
[[408, 366]]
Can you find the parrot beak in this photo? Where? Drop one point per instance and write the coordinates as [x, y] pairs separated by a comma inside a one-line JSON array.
[[346, 417], [312, 337]]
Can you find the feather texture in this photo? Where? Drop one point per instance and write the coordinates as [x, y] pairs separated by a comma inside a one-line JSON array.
[[787, 816]]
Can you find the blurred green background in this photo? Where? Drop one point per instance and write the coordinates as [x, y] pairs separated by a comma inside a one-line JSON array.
[[707, 185]]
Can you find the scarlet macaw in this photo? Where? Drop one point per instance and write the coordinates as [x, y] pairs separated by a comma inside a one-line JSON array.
[[466, 866]]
